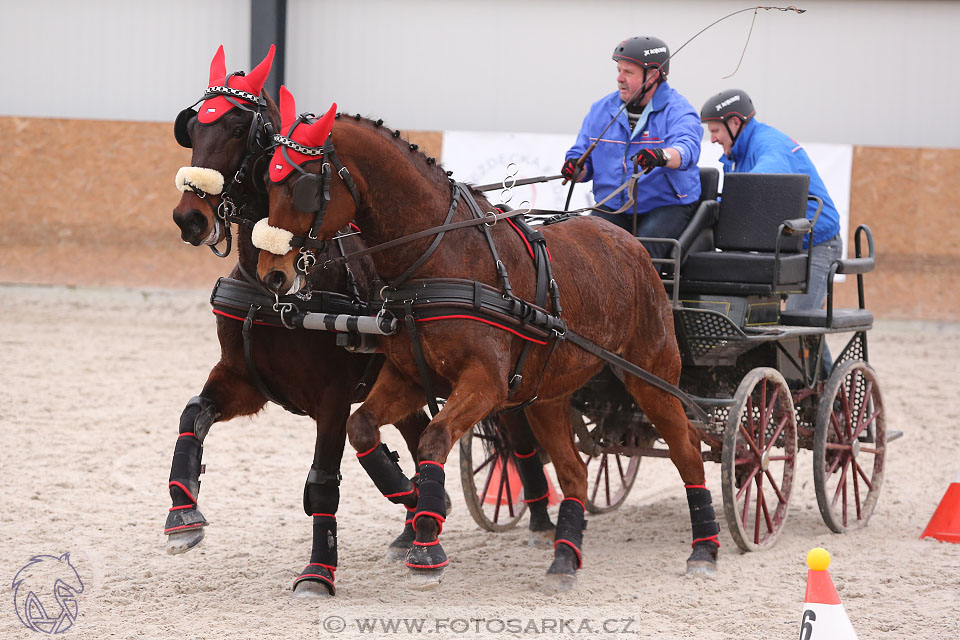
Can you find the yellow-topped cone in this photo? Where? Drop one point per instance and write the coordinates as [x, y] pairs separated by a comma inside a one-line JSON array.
[[823, 614]]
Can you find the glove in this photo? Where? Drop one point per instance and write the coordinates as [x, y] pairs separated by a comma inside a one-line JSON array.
[[649, 159], [569, 168]]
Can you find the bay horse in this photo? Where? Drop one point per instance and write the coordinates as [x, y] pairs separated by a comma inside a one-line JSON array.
[[407, 207], [304, 371]]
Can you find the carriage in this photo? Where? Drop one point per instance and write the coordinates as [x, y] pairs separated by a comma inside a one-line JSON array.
[[757, 373]]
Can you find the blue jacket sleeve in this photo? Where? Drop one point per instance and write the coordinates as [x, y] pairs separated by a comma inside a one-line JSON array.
[[685, 135], [771, 161]]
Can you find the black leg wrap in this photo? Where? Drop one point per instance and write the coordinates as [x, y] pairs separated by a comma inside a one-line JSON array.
[[706, 531], [702, 517], [381, 465], [323, 557], [321, 492], [429, 555], [186, 467], [431, 501], [569, 536]]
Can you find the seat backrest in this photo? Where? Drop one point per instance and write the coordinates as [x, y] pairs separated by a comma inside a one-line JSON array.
[[709, 180], [752, 207]]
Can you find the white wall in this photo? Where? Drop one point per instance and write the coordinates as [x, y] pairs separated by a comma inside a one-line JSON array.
[[115, 59], [847, 71]]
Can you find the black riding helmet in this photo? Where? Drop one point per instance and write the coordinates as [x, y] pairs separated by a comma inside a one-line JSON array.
[[732, 103], [646, 51]]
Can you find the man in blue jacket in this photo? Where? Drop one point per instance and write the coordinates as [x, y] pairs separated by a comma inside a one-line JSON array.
[[752, 146], [659, 131]]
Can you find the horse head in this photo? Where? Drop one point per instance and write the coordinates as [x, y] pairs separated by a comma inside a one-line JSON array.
[[328, 172], [229, 135], [306, 208]]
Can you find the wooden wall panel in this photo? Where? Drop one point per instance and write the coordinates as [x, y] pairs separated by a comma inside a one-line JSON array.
[[86, 202]]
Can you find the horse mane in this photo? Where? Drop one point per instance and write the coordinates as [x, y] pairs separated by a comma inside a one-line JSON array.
[[428, 166]]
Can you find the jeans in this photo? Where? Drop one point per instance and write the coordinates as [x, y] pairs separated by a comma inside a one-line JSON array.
[[662, 222], [821, 257]]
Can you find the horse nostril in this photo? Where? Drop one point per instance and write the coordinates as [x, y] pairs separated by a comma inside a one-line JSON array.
[[275, 280], [193, 226]]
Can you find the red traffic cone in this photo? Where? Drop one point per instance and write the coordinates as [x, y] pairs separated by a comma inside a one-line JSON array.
[[823, 614], [944, 525]]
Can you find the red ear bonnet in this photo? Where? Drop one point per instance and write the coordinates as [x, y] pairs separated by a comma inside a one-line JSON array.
[[253, 83], [309, 135]]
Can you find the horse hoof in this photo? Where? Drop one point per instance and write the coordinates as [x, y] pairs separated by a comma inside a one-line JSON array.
[[311, 589], [701, 568], [559, 583], [541, 539], [425, 579], [183, 541], [703, 559]]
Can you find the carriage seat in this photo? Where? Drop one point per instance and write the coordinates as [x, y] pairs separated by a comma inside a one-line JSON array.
[[831, 318], [755, 245]]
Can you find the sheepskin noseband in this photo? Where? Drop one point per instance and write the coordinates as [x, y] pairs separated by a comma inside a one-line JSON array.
[[272, 239], [209, 181]]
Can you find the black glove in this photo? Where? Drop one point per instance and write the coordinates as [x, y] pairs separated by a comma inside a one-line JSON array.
[[649, 159], [569, 169]]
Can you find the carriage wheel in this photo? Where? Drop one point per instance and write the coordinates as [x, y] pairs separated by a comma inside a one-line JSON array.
[[610, 476], [758, 459], [849, 446], [494, 497]]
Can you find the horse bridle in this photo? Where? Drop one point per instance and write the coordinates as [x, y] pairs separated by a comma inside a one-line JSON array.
[[259, 142], [311, 192]]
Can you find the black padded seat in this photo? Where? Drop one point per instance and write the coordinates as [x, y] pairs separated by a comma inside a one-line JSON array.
[[747, 233], [842, 318], [745, 266]]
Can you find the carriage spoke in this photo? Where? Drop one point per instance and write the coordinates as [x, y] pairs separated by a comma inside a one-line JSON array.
[[863, 474], [505, 481], [856, 487], [749, 440], [486, 484], [606, 476], [764, 415], [777, 432], [756, 519], [623, 475], [868, 421], [773, 485], [840, 485], [596, 485], [493, 456], [835, 423], [766, 512], [747, 482]]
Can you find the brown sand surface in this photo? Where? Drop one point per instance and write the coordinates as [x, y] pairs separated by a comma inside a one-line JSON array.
[[92, 384]]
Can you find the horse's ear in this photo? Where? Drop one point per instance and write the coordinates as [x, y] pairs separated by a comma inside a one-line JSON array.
[[319, 130], [258, 76], [218, 69], [288, 109]]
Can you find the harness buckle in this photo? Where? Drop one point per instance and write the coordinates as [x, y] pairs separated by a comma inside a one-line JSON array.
[[515, 381], [340, 173], [493, 215]]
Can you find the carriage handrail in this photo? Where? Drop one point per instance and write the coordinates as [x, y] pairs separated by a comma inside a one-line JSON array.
[[673, 281]]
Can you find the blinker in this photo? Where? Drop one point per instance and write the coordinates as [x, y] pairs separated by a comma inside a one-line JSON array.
[[181, 127]]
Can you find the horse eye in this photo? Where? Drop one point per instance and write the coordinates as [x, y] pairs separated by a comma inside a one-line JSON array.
[[237, 132]]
